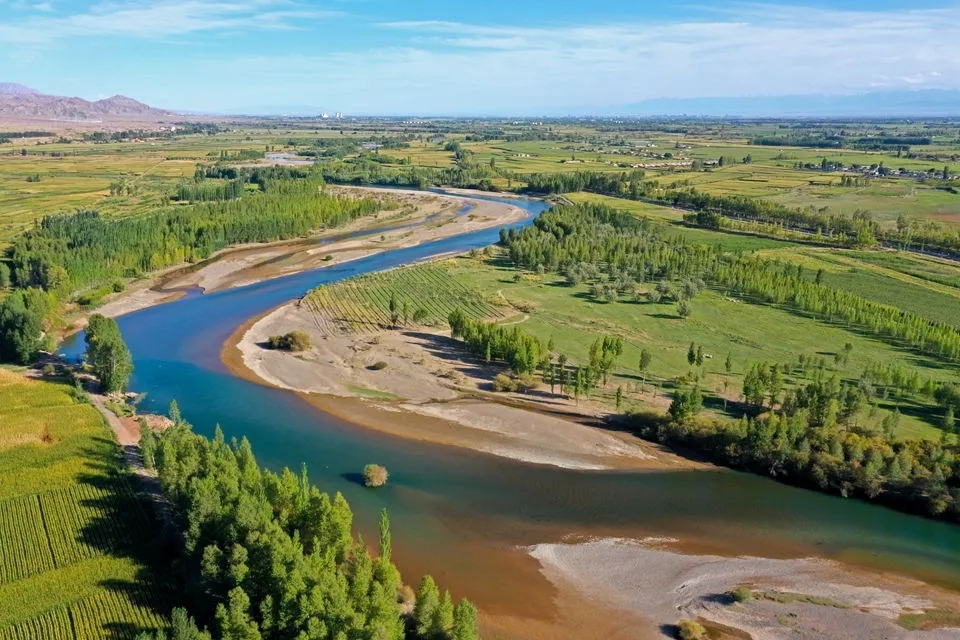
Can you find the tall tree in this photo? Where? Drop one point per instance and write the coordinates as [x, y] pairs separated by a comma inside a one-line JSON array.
[[108, 354]]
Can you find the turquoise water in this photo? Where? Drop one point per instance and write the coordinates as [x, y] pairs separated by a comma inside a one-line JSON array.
[[443, 500]]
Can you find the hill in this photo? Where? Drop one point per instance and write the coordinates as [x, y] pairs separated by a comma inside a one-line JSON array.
[[21, 103]]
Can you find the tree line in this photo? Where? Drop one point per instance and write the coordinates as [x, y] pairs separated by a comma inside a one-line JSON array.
[[809, 436], [266, 555], [714, 212], [66, 252], [624, 251]]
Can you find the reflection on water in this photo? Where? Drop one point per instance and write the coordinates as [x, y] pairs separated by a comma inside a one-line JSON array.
[[449, 505]]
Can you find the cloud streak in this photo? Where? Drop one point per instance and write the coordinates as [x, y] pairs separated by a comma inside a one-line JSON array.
[[156, 20], [449, 67]]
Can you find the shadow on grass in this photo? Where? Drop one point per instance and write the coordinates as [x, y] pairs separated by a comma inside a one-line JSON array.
[[117, 520]]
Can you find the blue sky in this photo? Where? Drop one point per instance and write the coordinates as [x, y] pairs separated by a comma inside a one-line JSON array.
[[511, 57]]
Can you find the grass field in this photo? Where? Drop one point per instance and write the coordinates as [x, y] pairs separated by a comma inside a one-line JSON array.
[[926, 286], [75, 538], [749, 333]]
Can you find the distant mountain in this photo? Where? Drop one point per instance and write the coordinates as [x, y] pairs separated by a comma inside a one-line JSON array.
[[12, 88], [18, 102], [880, 104]]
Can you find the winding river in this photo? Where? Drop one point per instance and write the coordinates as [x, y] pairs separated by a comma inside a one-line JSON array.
[[456, 513]]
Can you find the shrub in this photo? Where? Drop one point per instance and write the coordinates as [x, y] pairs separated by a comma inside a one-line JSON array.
[[293, 341], [375, 475], [525, 382], [741, 594], [377, 366], [298, 341], [503, 382], [691, 630]]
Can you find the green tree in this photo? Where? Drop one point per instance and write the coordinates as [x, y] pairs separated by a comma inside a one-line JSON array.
[[394, 308], [234, 619], [108, 354], [386, 541], [692, 354], [174, 413], [686, 404], [728, 363], [443, 618], [465, 623], [425, 610], [645, 359], [22, 317]]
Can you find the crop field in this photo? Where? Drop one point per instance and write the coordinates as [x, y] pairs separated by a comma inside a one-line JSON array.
[[425, 295], [76, 544], [749, 333]]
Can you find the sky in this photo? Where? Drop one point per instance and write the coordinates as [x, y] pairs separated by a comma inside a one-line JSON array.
[[495, 57]]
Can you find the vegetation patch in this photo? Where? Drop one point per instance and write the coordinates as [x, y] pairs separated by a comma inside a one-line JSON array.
[[375, 475], [293, 341], [932, 619], [786, 597]]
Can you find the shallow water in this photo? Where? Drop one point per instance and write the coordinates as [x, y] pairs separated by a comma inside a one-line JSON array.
[[457, 513]]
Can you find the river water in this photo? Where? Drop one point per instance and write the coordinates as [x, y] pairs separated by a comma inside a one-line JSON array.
[[456, 513]]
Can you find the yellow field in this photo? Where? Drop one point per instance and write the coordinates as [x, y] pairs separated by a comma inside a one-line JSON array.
[[75, 538]]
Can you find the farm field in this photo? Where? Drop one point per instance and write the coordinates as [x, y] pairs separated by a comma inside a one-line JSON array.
[[424, 295], [76, 540]]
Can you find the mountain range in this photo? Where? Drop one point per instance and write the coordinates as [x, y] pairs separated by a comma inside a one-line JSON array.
[[18, 102], [924, 103]]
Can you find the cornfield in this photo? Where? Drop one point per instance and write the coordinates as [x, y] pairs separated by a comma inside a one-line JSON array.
[[73, 531], [426, 292]]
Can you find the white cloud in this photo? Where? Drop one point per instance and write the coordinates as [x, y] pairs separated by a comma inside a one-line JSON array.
[[761, 50], [155, 19]]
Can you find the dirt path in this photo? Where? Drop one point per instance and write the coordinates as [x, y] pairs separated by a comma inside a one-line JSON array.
[[128, 437]]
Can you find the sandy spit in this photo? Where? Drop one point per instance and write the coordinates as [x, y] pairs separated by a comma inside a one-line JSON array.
[[664, 586], [425, 394]]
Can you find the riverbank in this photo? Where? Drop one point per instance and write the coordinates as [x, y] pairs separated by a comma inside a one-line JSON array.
[[409, 218], [794, 598], [415, 385]]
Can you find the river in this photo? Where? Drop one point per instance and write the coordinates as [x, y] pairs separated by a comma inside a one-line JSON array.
[[458, 514]]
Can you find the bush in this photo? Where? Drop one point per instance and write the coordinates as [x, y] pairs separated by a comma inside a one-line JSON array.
[[503, 382], [378, 366], [374, 475], [741, 594], [298, 341], [691, 630], [525, 382], [293, 341]]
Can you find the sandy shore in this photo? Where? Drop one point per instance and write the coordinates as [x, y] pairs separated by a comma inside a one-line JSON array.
[[428, 392], [422, 217], [803, 598]]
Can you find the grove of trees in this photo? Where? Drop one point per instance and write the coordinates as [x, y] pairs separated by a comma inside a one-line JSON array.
[[267, 555]]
